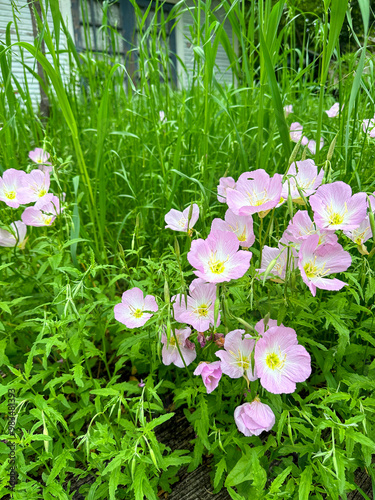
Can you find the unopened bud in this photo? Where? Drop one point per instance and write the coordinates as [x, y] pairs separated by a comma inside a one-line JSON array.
[[167, 297], [332, 148]]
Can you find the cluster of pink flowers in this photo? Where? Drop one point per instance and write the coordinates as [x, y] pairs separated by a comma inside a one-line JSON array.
[[296, 130], [309, 245], [19, 188], [368, 126]]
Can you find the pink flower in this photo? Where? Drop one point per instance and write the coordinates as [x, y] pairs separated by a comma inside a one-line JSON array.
[[362, 233], [312, 145], [199, 311], [131, 310], [280, 253], [178, 221], [296, 130], [240, 225], [11, 185], [301, 227], [288, 109], [259, 327], [39, 156], [334, 110], [305, 176], [281, 361], [224, 183], [170, 354], [236, 356], [255, 192], [211, 374], [254, 418], [335, 207], [17, 237], [316, 262], [36, 185], [369, 127], [217, 258], [43, 213]]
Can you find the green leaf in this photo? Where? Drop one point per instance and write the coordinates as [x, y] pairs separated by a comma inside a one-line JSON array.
[[305, 484], [220, 468], [276, 98], [247, 468], [360, 438], [234, 495], [59, 463], [278, 482], [114, 479], [158, 421]]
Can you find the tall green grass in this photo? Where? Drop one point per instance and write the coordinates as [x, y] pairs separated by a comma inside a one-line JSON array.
[[133, 168]]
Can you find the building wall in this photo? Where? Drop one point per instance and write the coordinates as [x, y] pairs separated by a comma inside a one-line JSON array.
[[18, 13], [186, 48]]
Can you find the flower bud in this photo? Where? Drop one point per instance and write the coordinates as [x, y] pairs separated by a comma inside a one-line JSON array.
[[254, 418], [211, 374]]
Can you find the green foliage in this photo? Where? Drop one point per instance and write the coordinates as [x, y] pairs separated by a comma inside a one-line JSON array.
[[83, 416]]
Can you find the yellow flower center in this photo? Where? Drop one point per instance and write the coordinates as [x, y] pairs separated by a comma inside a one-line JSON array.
[[313, 271], [39, 160], [202, 310], [10, 195], [336, 218], [216, 266], [137, 313], [244, 363], [47, 220], [42, 192], [273, 361], [257, 199], [310, 270], [242, 237]]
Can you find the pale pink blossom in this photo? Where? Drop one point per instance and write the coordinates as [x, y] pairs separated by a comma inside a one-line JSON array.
[[281, 361], [43, 213], [369, 127], [255, 192], [335, 208], [199, 310], [301, 227], [14, 238], [179, 221], [303, 174], [135, 310], [240, 225], [236, 356], [363, 232], [211, 374], [224, 183], [39, 156], [288, 109], [260, 328], [312, 145], [11, 185], [296, 130], [218, 258], [170, 354], [254, 418], [316, 262], [36, 186], [280, 254], [162, 116], [333, 111]]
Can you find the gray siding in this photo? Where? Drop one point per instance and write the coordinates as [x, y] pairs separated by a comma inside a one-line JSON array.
[[25, 31], [222, 73]]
